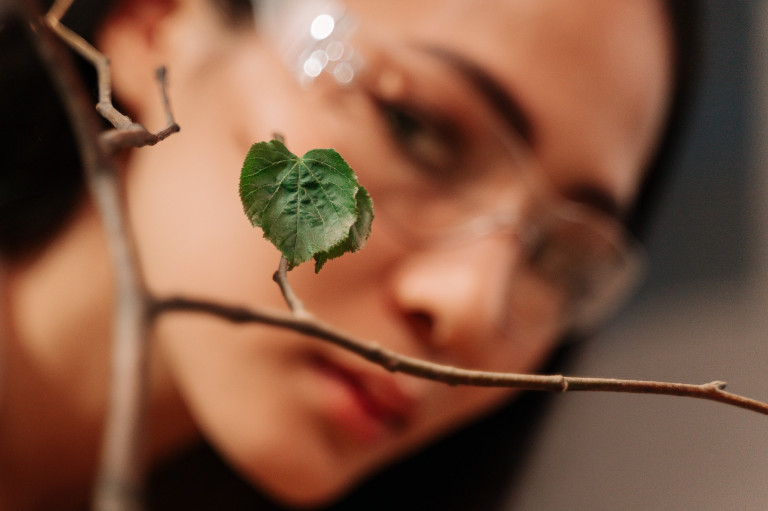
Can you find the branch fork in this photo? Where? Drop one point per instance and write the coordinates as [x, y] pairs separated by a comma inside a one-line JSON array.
[[126, 132]]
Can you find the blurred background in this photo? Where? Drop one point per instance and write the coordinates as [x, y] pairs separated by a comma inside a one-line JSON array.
[[701, 315]]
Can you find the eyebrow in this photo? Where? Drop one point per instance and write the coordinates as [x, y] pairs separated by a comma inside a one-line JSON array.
[[491, 90], [515, 117], [596, 198]]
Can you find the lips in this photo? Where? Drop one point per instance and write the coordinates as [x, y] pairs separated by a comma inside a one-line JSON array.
[[370, 403]]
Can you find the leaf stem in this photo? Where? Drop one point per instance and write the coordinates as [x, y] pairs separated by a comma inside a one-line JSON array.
[[281, 277]]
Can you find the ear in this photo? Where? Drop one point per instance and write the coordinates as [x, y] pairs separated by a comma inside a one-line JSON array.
[[132, 37]]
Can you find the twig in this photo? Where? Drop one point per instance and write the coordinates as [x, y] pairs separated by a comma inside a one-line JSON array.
[[281, 277], [396, 362], [127, 133], [121, 470], [59, 9], [99, 62], [136, 135]]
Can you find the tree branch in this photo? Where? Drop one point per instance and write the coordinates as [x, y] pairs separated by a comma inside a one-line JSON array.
[[136, 135], [121, 471], [127, 133], [59, 9], [395, 362]]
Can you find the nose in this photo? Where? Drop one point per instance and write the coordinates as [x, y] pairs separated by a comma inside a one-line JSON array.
[[454, 297]]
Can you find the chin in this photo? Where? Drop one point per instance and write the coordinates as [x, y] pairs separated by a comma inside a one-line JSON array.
[[304, 498], [297, 474], [302, 491]]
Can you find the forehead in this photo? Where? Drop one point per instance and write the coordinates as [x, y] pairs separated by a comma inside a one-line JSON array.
[[592, 75]]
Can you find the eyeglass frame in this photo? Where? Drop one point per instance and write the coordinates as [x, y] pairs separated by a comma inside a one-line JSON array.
[[328, 24]]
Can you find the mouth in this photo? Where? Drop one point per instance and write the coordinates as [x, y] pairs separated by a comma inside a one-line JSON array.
[[367, 404]]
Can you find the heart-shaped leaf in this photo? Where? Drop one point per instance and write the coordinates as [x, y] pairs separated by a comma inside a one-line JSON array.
[[358, 233], [308, 207]]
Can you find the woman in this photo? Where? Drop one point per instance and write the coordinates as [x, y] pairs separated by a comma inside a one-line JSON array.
[[450, 111]]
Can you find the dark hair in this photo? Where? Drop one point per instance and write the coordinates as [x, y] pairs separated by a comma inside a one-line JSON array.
[[40, 179], [685, 21]]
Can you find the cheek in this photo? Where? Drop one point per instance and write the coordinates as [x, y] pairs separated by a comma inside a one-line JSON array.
[[189, 226], [183, 193], [244, 390]]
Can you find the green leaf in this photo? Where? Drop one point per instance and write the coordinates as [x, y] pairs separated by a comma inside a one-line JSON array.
[[309, 206], [358, 233]]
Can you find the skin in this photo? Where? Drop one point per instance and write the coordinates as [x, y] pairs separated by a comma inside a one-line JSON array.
[[593, 77]]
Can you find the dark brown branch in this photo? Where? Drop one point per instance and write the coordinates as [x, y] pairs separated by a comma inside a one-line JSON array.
[[127, 133], [396, 362], [102, 66], [136, 135], [121, 472]]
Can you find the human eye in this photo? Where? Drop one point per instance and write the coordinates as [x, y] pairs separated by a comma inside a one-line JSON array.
[[552, 257], [429, 141]]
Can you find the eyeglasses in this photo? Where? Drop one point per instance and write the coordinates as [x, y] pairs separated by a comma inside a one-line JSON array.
[[440, 164]]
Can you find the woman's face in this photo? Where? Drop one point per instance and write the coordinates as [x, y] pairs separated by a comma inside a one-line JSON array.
[[300, 418]]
